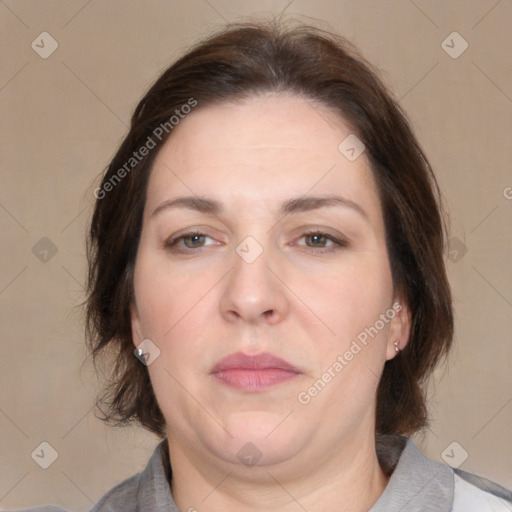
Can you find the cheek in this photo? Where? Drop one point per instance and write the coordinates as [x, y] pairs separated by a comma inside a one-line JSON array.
[[350, 362], [167, 300], [174, 310], [349, 297]]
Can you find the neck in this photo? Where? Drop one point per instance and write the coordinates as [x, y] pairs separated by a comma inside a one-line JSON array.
[[352, 479]]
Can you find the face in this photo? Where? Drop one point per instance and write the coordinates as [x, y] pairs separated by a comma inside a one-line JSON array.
[[262, 276]]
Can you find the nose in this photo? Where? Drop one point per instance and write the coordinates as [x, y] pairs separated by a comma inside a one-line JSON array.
[[254, 292]]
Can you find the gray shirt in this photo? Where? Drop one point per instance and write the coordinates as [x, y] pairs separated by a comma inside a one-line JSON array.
[[417, 484]]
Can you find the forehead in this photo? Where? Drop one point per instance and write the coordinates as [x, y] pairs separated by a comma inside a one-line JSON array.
[[266, 148]]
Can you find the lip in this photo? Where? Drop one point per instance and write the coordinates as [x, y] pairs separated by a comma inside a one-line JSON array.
[[253, 373]]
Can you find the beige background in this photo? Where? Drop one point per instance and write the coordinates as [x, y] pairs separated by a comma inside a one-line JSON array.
[[62, 119]]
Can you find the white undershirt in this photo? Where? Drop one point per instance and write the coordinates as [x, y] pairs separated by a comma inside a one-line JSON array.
[[469, 498]]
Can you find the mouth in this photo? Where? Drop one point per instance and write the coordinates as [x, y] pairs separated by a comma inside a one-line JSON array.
[[253, 373]]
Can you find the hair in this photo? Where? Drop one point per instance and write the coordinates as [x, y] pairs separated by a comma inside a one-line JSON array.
[[238, 62]]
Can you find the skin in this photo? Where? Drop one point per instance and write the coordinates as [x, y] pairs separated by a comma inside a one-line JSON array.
[[304, 299]]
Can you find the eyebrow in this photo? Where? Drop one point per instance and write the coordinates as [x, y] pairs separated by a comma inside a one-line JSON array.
[[296, 205]]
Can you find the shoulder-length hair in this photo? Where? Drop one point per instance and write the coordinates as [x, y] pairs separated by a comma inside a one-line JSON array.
[[240, 61]]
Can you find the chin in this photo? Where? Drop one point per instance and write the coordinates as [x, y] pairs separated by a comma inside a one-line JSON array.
[[260, 438]]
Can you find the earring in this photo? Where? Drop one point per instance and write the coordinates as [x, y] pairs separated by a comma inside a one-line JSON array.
[[397, 345]]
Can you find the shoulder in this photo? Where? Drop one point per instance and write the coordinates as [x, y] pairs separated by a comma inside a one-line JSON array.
[[148, 490], [123, 497], [42, 508], [474, 493], [418, 483]]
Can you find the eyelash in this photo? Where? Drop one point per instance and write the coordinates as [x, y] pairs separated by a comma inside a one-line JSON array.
[[172, 243]]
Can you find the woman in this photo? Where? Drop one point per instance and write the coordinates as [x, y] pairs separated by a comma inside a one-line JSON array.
[[268, 242]]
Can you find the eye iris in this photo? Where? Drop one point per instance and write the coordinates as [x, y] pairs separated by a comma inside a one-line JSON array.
[[194, 240], [317, 239]]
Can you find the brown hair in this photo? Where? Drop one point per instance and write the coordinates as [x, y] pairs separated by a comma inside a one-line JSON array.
[[240, 61]]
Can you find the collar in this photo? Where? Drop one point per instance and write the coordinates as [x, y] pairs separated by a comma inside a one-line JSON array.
[[417, 483]]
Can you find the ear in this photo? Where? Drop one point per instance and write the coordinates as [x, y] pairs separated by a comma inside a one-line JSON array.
[[137, 334], [399, 330]]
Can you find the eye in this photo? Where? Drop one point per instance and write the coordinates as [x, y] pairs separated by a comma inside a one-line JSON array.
[[317, 241], [191, 240], [321, 242]]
